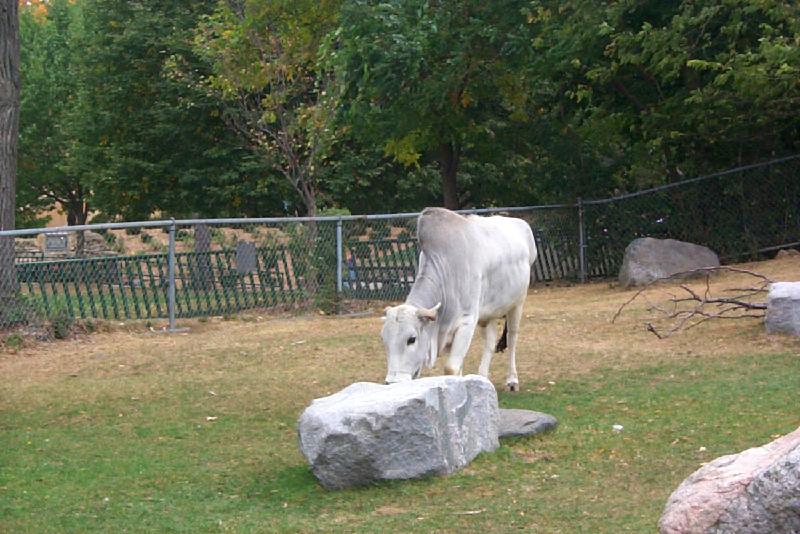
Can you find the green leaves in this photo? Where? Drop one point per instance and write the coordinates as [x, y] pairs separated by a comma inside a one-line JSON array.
[[691, 86], [405, 149], [419, 77], [115, 123], [276, 94], [255, 105]]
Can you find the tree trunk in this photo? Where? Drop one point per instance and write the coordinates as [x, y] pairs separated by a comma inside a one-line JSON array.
[[9, 128], [305, 187], [309, 197], [77, 214], [449, 155]]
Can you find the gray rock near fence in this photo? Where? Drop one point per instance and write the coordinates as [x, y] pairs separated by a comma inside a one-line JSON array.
[[787, 253], [514, 422], [370, 432], [783, 308], [755, 491], [94, 243], [26, 244], [647, 259]]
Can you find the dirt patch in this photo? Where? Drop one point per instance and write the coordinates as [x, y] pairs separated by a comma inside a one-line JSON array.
[[565, 331]]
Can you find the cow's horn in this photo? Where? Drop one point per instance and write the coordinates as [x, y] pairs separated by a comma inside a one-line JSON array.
[[428, 313]]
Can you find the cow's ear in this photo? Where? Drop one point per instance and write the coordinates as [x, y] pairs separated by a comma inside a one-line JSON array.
[[429, 314]]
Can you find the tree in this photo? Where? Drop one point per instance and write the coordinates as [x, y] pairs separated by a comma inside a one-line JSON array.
[[114, 123], [434, 81], [265, 70], [150, 140], [636, 94], [253, 107], [111, 127], [51, 71], [9, 126]]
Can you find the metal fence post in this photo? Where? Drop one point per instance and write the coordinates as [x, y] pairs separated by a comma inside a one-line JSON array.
[[171, 267], [339, 255], [581, 240]]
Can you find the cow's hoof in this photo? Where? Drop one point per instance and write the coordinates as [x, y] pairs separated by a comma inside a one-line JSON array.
[[512, 386]]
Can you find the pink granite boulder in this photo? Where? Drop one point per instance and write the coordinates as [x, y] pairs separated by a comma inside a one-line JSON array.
[[754, 491]]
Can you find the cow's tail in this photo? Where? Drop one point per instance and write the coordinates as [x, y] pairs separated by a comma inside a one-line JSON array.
[[502, 343]]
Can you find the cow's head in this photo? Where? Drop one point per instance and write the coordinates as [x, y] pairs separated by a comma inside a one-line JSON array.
[[409, 335]]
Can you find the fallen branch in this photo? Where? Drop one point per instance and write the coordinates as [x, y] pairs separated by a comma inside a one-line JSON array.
[[703, 307]]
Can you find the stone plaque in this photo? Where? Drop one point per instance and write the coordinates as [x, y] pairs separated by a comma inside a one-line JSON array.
[[245, 257], [55, 242]]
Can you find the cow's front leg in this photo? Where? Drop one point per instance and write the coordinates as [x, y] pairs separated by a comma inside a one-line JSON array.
[[460, 346], [489, 342]]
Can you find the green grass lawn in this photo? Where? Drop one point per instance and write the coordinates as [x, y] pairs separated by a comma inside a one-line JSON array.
[[134, 451]]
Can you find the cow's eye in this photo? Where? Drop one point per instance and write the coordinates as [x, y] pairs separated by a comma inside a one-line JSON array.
[[411, 340]]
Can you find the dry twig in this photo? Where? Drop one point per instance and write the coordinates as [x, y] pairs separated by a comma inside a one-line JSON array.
[[692, 308]]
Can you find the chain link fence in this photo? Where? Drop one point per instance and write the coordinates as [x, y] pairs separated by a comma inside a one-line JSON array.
[[201, 268], [51, 279], [740, 214]]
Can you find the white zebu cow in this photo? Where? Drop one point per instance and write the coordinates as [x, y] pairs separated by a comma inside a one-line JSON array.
[[472, 272]]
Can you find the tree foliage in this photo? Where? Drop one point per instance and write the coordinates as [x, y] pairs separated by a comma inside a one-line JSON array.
[[154, 142], [265, 71], [435, 81], [50, 58], [647, 92], [109, 125], [259, 107]]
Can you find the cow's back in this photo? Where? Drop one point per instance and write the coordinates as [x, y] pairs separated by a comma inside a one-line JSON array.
[[479, 242], [502, 240], [441, 231], [486, 260]]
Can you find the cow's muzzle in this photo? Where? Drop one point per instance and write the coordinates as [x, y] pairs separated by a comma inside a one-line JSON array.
[[393, 377]]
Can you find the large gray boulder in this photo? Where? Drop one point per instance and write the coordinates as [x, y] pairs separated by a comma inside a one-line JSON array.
[[370, 432], [783, 308], [647, 259], [755, 491]]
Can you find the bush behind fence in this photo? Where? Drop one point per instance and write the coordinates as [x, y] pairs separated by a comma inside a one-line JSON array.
[[196, 268]]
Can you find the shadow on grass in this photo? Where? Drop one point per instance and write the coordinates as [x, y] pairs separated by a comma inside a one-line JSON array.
[[294, 482]]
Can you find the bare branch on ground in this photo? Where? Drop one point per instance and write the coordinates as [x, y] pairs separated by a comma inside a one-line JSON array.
[[692, 308]]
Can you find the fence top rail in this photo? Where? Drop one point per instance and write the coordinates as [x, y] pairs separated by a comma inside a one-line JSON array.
[[690, 181], [81, 227], [166, 223]]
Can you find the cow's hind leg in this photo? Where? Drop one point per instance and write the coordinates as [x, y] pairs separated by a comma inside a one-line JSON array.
[[514, 318], [489, 338]]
